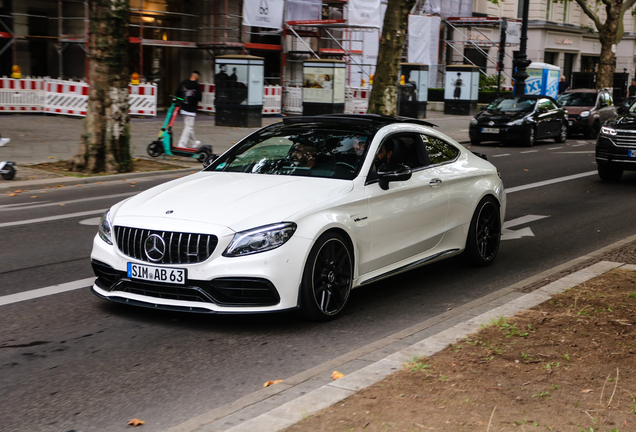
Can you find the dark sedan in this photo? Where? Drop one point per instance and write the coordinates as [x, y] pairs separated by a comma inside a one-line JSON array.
[[520, 119], [616, 146]]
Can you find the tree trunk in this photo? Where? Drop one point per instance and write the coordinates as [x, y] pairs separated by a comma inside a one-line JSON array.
[[105, 144], [608, 38], [383, 98]]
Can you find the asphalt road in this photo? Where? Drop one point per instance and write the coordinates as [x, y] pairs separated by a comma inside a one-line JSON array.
[[71, 361]]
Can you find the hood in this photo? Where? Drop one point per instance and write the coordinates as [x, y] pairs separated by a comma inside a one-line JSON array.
[[576, 109], [235, 200], [500, 117], [627, 121]]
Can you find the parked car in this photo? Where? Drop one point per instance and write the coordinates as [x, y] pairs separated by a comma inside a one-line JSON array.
[[519, 119], [297, 214], [616, 146], [587, 110]]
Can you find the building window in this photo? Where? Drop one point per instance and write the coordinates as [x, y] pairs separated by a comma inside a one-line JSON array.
[[520, 4], [565, 11], [550, 58], [548, 10]]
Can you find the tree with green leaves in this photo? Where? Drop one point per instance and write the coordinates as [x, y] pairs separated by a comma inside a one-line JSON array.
[[383, 97], [105, 145]]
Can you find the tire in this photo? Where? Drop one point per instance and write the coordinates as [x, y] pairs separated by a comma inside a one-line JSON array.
[[609, 173], [484, 235], [155, 149], [563, 134], [530, 138], [327, 278], [593, 132], [10, 174]]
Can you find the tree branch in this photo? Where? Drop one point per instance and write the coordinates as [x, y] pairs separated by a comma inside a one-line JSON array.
[[587, 11], [628, 4]]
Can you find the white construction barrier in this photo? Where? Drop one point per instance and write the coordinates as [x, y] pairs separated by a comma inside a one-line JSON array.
[[293, 100], [272, 99], [66, 97], [207, 98], [356, 100], [21, 95]]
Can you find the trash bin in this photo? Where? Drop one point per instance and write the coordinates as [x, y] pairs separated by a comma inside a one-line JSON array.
[[413, 94], [238, 91], [461, 89], [323, 87]]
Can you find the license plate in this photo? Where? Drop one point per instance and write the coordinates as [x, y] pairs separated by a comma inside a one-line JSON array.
[[631, 153], [157, 274], [489, 130]]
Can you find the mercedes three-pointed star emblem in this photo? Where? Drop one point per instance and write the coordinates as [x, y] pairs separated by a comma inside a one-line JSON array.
[[155, 247]]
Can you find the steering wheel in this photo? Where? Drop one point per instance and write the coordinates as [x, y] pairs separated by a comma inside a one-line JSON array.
[[351, 167]]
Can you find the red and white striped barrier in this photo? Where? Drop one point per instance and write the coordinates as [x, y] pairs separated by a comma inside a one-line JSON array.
[[272, 99], [21, 95], [356, 100], [66, 97]]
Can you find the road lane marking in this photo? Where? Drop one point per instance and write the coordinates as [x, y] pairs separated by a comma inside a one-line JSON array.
[[52, 218], [501, 155], [578, 145], [47, 291], [578, 152], [554, 148], [549, 182], [508, 234], [529, 151], [91, 221], [10, 207]]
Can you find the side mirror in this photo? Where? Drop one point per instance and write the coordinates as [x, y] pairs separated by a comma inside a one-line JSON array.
[[621, 110], [390, 172], [542, 110]]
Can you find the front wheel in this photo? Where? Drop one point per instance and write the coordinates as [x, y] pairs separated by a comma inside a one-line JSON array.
[[530, 137], [9, 174], [563, 134], [327, 278], [484, 235], [155, 148], [609, 173]]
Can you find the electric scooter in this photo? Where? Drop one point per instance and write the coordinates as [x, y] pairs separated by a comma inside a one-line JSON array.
[[164, 144], [7, 169]]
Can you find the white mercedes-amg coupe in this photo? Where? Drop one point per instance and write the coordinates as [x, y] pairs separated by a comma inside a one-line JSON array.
[[297, 214]]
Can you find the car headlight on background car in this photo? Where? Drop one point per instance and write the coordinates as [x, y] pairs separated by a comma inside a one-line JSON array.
[[104, 228], [260, 239], [605, 130], [473, 121], [584, 114]]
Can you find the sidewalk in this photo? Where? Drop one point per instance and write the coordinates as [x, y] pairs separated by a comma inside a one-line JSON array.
[[294, 399], [38, 138]]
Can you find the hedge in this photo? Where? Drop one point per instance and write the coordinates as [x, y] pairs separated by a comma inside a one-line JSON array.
[[485, 96]]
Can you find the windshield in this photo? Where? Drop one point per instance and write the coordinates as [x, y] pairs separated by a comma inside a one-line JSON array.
[[577, 99], [298, 151], [517, 104]]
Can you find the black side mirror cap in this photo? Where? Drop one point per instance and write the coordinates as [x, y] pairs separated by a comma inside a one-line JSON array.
[[390, 172]]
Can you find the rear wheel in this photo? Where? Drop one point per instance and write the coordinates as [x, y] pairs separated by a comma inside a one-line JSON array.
[[10, 173], [563, 134], [484, 235], [609, 173], [155, 149], [530, 137], [327, 278]]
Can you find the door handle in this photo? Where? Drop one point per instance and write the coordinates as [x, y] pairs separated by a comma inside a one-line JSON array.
[[435, 183]]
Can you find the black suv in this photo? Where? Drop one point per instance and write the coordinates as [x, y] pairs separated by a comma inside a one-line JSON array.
[[616, 146]]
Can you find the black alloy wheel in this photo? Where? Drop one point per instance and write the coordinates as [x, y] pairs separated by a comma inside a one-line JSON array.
[[563, 134], [484, 235], [10, 173], [155, 149], [530, 137], [609, 173], [327, 278]]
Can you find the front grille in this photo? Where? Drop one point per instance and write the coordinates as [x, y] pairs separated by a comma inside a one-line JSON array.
[[625, 138], [181, 248], [573, 116], [163, 291]]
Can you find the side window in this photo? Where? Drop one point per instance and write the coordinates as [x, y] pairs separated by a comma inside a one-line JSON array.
[[610, 100], [542, 104], [439, 151], [406, 149], [549, 105]]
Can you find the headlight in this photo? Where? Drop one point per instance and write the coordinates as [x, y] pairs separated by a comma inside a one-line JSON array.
[[585, 114], [473, 121], [104, 229], [517, 122], [605, 130], [260, 239]]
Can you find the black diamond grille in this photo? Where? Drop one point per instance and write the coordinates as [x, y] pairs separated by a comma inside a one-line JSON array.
[[181, 248]]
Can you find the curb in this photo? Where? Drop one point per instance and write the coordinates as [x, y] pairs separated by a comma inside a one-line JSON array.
[[282, 405], [52, 182]]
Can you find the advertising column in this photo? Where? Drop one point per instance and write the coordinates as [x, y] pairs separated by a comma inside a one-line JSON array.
[[323, 87], [461, 89], [238, 99]]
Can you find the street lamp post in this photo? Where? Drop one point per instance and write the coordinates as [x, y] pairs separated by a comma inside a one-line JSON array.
[[521, 61]]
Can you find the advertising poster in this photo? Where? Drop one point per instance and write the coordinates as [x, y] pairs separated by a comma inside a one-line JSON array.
[[552, 85], [318, 84], [474, 94], [339, 85], [263, 13], [255, 90], [231, 82], [364, 13], [457, 85]]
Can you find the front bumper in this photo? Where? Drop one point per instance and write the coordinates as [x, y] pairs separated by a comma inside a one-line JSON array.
[[263, 282], [578, 124], [506, 133], [609, 153]]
